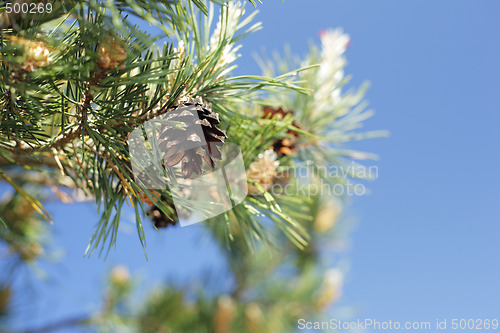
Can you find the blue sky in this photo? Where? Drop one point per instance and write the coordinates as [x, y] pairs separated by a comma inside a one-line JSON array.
[[425, 245]]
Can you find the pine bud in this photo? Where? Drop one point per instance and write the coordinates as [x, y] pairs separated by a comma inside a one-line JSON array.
[[36, 53], [110, 54], [120, 276], [224, 315], [5, 298], [263, 171], [327, 216], [330, 290], [253, 316], [29, 251]]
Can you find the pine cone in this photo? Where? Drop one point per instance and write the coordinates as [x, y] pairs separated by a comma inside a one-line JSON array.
[[160, 219], [191, 136], [285, 146]]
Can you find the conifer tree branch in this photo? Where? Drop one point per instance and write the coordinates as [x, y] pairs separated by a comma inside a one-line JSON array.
[[63, 324]]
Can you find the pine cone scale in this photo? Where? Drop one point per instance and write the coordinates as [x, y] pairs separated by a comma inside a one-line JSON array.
[[171, 161]]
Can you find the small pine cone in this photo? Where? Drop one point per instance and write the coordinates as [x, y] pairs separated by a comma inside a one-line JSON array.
[[160, 219], [110, 54], [263, 171], [191, 136], [270, 113], [36, 53], [285, 146]]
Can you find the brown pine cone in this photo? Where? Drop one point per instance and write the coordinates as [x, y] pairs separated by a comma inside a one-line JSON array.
[[191, 136], [285, 146], [160, 219]]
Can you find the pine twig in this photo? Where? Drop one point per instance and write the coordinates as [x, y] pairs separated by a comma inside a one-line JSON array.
[[64, 138]]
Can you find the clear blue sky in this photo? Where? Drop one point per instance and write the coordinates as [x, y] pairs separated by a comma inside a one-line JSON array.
[[426, 244]]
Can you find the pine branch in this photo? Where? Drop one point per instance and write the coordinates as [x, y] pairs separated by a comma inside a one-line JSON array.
[[63, 324], [75, 111]]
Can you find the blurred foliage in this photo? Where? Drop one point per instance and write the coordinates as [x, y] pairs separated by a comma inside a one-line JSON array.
[[24, 230], [75, 84]]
